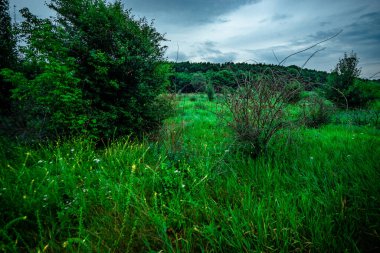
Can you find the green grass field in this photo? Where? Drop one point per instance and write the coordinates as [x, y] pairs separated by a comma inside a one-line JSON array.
[[190, 189]]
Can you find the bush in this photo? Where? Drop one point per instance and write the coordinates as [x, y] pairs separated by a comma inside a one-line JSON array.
[[363, 92], [295, 89], [257, 109], [198, 82], [98, 71], [210, 92], [317, 111]]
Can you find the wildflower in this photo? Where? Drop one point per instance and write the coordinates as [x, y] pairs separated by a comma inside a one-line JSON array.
[[96, 160], [40, 161], [133, 168], [65, 244], [183, 186], [176, 171], [24, 197], [311, 158], [72, 150]]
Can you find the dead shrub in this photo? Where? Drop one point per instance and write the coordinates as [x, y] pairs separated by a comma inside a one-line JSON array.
[[257, 108]]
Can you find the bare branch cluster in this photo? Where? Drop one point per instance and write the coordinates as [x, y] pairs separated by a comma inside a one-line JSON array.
[[257, 107]]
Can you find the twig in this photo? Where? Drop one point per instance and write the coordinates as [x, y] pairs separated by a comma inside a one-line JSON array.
[[312, 46], [311, 56]]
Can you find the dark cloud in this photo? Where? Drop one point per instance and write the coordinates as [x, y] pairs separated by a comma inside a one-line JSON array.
[[209, 52], [189, 12], [223, 57], [280, 17], [324, 23]]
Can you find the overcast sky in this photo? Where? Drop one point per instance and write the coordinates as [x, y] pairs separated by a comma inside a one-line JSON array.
[[255, 30]]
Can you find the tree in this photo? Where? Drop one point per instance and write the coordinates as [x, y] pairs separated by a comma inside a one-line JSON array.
[[342, 78], [7, 54], [101, 70], [198, 82]]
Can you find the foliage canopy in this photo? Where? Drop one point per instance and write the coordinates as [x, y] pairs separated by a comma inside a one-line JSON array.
[[94, 69]]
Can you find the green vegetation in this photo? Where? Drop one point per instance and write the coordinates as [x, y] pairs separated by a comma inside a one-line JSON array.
[[96, 156], [7, 55], [191, 191], [98, 72]]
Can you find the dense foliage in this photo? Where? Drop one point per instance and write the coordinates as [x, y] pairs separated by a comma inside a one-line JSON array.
[[229, 74], [7, 55], [342, 79], [94, 70]]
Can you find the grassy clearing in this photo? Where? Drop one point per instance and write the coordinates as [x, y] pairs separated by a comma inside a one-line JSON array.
[[191, 191]]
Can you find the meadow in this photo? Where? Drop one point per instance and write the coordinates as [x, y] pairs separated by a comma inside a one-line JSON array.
[[189, 188]]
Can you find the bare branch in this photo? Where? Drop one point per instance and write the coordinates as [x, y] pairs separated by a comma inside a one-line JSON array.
[[311, 56], [275, 56], [374, 75], [312, 46]]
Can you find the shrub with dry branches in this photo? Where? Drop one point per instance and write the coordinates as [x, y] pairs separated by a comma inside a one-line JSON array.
[[257, 108]]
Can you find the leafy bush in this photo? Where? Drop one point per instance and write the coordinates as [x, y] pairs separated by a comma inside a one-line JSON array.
[[358, 117], [180, 83], [257, 108], [363, 92], [98, 71], [317, 111], [7, 56], [198, 82], [222, 78], [210, 92]]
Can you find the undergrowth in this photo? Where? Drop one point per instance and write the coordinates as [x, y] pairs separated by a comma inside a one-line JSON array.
[[191, 191]]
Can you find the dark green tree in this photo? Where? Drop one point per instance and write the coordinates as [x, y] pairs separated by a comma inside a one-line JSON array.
[[198, 82], [7, 54], [94, 69], [342, 78]]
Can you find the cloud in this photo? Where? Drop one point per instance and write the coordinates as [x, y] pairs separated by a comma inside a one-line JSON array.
[[240, 30], [178, 56], [186, 12], [280, 17]]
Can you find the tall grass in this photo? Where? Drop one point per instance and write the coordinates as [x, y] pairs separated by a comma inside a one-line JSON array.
[[315, 190]]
